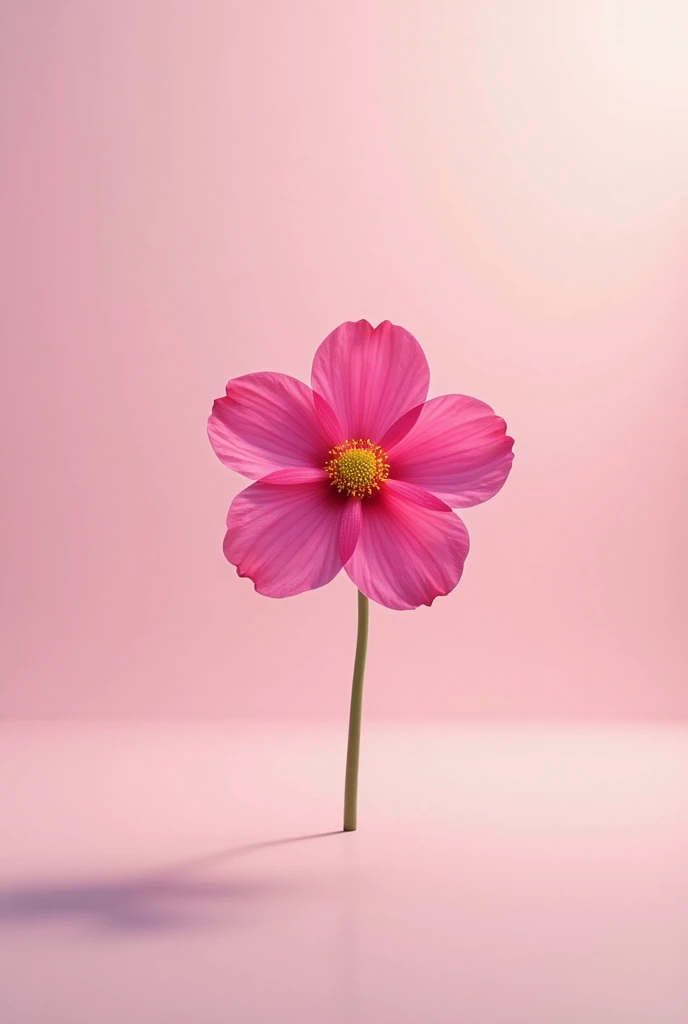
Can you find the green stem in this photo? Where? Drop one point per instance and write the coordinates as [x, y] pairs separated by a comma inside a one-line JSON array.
[[354, 744]]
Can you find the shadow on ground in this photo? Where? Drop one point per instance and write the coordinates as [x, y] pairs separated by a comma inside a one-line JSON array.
[[174, 897]]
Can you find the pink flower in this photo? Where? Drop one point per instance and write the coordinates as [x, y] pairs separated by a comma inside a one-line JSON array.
[[359, 471]]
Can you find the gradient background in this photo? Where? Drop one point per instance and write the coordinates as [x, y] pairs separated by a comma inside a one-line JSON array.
[[196, 190]]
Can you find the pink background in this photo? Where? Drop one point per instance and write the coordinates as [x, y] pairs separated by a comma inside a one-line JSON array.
[[196, 190]]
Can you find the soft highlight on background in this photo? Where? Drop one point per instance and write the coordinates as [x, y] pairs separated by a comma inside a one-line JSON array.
[[193, 191]]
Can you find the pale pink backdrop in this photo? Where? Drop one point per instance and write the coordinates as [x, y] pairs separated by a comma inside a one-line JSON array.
[[195, 190]]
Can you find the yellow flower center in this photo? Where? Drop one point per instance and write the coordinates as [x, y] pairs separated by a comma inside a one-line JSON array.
[[357, 467]]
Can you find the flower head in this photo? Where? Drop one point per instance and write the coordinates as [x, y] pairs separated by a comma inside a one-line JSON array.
[[357, 471]]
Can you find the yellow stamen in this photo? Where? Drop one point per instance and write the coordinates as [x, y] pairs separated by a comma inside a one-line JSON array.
[[357, 468]]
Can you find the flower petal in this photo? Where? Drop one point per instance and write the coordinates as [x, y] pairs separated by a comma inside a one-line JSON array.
[[407, 555], [285, 539], [417, 495], [457, 448], [295, 475], [350, 529], [370, 376], [267, 421]]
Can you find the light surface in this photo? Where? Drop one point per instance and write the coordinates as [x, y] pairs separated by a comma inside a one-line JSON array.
[[172, 874]]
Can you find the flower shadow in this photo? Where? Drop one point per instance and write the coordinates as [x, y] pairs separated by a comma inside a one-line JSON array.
[[174, 897]]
